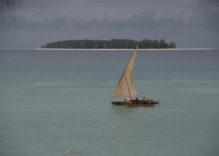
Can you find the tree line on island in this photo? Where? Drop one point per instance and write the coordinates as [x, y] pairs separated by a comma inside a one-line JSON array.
[[110, 44]]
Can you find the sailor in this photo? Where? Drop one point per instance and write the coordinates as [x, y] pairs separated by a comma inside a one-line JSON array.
[[136, 99], [152, 99], [144, 98]]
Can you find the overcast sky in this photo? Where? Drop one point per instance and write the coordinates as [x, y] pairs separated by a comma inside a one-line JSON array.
[[190, 23]]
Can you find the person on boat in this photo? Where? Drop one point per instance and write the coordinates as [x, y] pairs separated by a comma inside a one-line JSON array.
[[144, 98], [137, 99], [152, 99]]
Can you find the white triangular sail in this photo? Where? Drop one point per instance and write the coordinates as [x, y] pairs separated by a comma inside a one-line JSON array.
[[126, 86]]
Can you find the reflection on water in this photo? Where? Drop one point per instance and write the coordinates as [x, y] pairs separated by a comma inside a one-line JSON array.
[[129, 115], [68, 152], [123, 110]]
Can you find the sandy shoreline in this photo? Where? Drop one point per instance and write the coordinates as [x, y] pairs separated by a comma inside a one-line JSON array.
[[166, 49], [63, 49]]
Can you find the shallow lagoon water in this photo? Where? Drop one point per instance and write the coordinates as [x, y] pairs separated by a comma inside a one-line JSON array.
[[55, 101]]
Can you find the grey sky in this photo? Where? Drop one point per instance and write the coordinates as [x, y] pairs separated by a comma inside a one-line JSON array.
[[190, 23]]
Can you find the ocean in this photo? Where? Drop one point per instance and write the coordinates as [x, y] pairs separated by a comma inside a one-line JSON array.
[[57, 103]]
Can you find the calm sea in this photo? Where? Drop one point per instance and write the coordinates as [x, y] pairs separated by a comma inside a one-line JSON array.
[[57, 103]]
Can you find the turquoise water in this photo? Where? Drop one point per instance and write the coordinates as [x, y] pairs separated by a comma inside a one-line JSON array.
[[55, 101]]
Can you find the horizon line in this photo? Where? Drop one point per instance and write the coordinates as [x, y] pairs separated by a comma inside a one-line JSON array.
[[109, 49]]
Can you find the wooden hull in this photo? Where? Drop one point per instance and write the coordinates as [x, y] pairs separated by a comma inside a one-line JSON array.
[[136, 103]]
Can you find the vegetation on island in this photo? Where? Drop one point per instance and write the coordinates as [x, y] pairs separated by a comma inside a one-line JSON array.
[[110, 44]]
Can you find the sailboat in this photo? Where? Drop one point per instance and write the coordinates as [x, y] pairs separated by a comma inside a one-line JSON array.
[[126, 87]]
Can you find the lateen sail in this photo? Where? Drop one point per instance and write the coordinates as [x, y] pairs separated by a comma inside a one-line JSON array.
[[126, 86]]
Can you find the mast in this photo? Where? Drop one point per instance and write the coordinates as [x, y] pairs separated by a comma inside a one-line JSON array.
[[128, 88]]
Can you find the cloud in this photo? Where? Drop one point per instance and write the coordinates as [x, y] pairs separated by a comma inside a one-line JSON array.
[[103, 19], [90, 13], [208, 2], [96, 9]]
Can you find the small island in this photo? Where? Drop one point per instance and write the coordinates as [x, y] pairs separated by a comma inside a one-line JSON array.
[[111, 44]]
